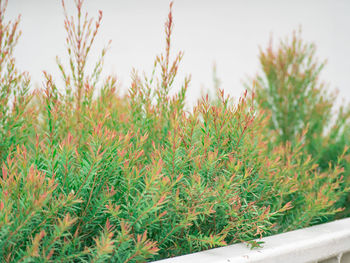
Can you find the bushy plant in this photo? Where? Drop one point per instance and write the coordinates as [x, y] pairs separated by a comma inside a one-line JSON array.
[[297, 102], [14, 95], [96, 176]]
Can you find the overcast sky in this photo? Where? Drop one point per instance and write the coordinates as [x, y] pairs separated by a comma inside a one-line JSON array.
[[227, 32]]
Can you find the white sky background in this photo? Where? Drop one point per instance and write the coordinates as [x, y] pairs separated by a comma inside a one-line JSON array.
[[227, 32]]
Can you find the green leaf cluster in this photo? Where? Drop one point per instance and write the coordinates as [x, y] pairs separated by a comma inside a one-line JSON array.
[[89, 175], [299, 105]]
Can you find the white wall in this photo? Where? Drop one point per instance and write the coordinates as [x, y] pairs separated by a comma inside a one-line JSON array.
[[325, 243], [228, 32]]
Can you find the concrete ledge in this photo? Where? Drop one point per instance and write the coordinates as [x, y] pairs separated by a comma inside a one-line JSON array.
[[328, 242]]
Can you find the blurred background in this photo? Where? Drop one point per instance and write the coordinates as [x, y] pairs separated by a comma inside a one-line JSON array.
[[227, 33]]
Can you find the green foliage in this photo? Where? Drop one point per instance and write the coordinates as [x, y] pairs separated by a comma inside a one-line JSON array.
[[14, 95], [93, 176], [298, 104]]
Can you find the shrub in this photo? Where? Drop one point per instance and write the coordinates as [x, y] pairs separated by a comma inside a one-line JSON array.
[[14, 95], [291, 94], [97, 176]]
